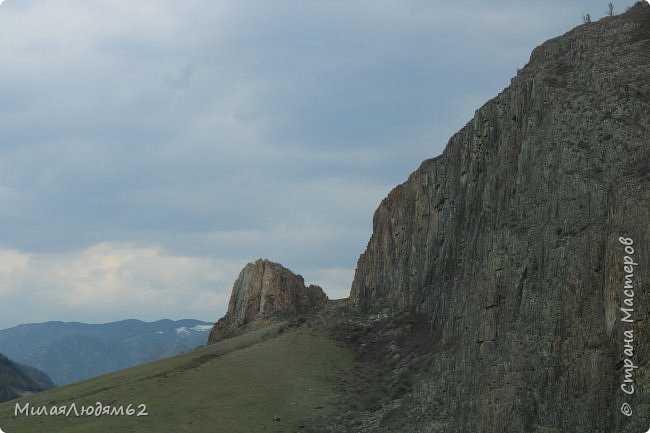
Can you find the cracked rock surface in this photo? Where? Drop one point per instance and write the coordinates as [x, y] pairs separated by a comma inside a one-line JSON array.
[[508, 243], [266, 290]]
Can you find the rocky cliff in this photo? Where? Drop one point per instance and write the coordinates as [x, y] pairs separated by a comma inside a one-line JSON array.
[[512, 243], [264, 290]]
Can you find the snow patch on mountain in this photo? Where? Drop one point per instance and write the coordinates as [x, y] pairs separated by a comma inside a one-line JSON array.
[[184, 330]]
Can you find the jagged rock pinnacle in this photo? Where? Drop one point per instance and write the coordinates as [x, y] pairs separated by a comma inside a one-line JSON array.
[[264, 290]]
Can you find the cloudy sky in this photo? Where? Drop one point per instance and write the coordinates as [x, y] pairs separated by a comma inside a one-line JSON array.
[[149, 149]]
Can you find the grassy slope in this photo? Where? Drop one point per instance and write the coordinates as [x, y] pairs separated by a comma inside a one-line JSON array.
[[237, 385]]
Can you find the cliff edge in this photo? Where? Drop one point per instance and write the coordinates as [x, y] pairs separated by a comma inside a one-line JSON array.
[[515, 245]]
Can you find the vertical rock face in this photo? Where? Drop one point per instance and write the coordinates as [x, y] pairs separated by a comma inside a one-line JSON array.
[[509, 243], [263, 290]]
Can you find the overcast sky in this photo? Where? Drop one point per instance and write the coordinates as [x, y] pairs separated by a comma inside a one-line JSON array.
[[149, 149]]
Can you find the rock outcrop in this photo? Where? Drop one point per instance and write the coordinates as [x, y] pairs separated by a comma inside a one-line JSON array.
[[266, 290], [512, 244]]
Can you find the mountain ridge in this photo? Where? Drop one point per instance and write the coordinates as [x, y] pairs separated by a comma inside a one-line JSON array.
[[17, 379], [73, 351]]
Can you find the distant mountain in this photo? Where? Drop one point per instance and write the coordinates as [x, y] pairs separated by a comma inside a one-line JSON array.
[[17, 380], [69, 352]]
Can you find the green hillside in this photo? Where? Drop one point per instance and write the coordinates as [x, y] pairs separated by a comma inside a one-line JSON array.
[[278, 379]]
